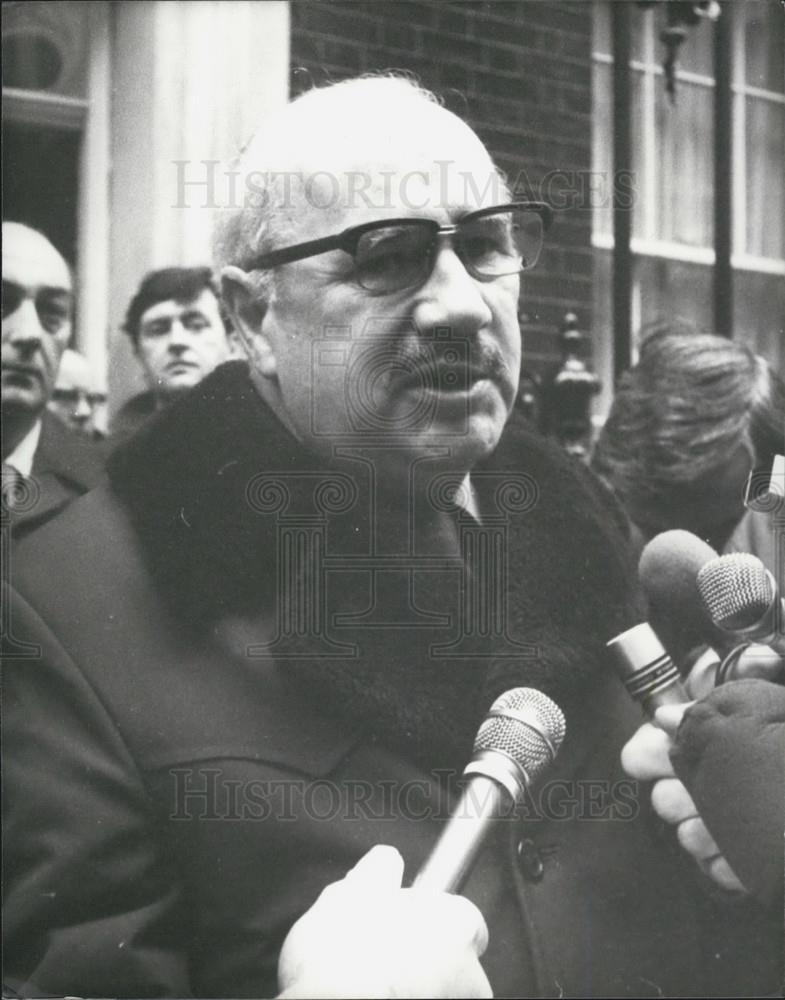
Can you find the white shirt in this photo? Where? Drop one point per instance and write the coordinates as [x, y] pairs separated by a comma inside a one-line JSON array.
[[21, 458]]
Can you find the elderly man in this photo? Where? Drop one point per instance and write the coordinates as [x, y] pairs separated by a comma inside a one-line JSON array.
[[75, 397], [44, 465], [178, 335], [312, 578]]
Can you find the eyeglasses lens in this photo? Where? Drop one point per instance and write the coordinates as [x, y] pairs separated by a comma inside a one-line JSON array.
[[392, 258]]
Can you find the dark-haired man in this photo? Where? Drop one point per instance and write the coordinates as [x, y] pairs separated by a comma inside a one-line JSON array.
[[178, 334]]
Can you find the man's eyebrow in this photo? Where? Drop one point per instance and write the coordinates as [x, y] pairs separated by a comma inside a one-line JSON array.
[[53, 291], [41, 289]]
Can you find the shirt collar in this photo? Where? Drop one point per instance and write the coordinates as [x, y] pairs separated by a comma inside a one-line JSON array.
[[21, 458]]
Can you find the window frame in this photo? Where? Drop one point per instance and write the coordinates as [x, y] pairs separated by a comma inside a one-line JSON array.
[[648, 244]]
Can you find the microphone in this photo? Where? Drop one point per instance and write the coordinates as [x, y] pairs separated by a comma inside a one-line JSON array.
[[668, 571], [519, 738], [740, 595], [649, 674], [669, 568]]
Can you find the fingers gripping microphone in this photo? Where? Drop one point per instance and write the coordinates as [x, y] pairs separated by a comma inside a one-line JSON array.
[[740, 595], [517, 741]]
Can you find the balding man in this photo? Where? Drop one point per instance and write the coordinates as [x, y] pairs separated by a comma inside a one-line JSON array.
[[312, 577], [75, 396], [44, 465]]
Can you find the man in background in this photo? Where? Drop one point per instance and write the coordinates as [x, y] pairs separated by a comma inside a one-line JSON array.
[[178, 335], [44, 465], [75, 396]]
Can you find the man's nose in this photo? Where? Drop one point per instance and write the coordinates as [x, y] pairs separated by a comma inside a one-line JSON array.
[[24, 327], [82, 410], [451, 299], [179, 336]]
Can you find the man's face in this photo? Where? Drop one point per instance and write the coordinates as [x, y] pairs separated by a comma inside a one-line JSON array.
[[432, 370], [181, 342], [37, 305], [73, 397]]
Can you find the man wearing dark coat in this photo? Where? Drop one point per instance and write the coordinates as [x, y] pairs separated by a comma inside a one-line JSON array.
[[308, 581], [45, 466]]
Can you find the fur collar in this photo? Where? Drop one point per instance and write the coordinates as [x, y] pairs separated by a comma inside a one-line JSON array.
[[189, 481]]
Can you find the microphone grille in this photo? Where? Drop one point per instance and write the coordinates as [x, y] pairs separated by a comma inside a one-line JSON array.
[[525, 725], [736, 590]]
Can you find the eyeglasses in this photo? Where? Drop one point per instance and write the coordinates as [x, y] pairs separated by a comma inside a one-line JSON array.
[[392, 254]]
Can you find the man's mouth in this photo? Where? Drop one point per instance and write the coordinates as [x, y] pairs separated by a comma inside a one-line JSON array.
[[446, 378], [21, 375], [174, 367]]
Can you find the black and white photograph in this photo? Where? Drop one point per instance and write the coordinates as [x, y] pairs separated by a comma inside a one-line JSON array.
[[393, 499]]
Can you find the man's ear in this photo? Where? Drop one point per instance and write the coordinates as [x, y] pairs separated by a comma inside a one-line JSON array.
[[247, 309]]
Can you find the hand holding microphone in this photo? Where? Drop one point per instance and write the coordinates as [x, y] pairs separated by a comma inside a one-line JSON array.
[[365, 936], [646, 757], [670, 569]]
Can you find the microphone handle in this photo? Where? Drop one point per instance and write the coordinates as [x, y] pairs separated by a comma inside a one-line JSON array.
[[448, 866], [649, 674]]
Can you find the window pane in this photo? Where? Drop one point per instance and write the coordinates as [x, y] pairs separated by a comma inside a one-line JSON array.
[[759, 314], [602, 152], [674, 288], [685, 174], [640, 25], [602, 41], [641, 169], [765, 44], [45, 46], [765, 157], [696, 53]]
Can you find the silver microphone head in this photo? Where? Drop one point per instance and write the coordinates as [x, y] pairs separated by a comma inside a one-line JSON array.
[[737, 590], [518, 739]]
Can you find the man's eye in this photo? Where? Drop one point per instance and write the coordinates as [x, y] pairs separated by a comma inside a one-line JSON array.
[[156, 330], [52, 319], [65, 395], [490, 240], [382, 258], [389, 251], [12, 298], [195, 323], [479, 246]]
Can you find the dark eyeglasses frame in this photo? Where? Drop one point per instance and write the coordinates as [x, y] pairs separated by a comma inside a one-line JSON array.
[[349, 238]]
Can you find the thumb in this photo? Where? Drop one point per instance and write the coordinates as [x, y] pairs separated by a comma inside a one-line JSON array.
[[380, 868]]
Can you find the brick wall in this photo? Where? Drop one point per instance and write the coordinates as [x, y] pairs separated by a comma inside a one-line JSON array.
[[519, 72]]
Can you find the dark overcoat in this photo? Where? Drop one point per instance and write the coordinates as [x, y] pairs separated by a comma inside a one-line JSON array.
[[180, 785]]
